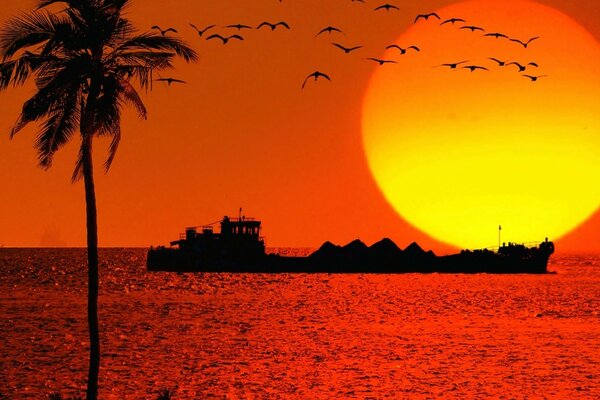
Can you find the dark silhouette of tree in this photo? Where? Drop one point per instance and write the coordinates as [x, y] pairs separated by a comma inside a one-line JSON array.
[[84, 60]]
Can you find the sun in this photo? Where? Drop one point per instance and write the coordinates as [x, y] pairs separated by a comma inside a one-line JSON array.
[[458, 153]]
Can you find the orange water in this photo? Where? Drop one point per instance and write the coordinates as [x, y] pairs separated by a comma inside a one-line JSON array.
[[298, 336]]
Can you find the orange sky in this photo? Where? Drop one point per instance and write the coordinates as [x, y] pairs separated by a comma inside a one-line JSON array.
[[240, 133]]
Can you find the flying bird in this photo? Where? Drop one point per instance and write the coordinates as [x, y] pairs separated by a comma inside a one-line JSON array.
[[402, 51], [315, 75], [474, 67], [165, 31], [524, 44], [346, 49], [522, 67], [224, 39], [381, 62], [329, 29], [201, 31], [239, 27], [500, 62], [472, 28], [534, 78], [386, 7], [453, 65], [170, 80], [496, 35], [426, 16], [452, 21], [273, 26]]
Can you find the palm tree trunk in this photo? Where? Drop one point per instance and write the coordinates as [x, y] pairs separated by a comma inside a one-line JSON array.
[[92, 250]]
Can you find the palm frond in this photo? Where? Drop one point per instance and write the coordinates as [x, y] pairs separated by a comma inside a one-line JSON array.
[[52, 95], [112, 149], [78, 170], [15, 71], [158, 42], [131, 96], [25, 31], [58, 129]]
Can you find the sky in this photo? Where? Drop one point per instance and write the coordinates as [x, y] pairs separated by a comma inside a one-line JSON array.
[[242, 133]]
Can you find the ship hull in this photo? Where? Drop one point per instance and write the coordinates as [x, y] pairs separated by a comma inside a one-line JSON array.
[[176, 260]]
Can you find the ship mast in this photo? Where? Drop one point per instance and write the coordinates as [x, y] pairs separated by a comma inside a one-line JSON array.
[[499, 231]]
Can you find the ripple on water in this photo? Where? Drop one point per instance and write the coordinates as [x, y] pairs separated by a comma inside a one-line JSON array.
[[298, 336]]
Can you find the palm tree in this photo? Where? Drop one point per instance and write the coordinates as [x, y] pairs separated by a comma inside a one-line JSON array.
[[84, 60]]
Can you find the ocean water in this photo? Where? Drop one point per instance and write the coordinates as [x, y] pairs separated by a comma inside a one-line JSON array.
[[225, 336]]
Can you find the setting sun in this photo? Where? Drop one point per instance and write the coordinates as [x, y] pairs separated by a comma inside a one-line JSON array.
[[458, 152]]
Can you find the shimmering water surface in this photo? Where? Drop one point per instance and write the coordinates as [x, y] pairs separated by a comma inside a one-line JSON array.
[[298, 336]]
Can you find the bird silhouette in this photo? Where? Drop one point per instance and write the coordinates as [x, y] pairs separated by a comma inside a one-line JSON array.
[[472, 28], [402, 51], [170, 80], [452, 21], [426, 16], [329, 29], [534, 78], [496, 35], [522, 67], [346, 49], [474, 67], [453, 65], [386, 7], [273, 26], [525, 44], [500, 63], [165, 31], [239, 27], [381, 62], [316, 75], [201, 31], [225, 39]]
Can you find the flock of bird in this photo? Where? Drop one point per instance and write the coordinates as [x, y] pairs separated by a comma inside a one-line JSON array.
[[316, 75]]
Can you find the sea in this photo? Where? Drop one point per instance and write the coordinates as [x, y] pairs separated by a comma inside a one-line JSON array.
[[302, 336]]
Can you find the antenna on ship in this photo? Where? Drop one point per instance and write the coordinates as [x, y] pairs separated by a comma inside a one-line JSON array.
[[499, 231], [240, 215]]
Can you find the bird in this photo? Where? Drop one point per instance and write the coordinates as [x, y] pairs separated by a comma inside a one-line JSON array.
[[522, 67], [329, 29], [474, 67], [534, 78], [165, 31], [525, 43], [170, 80], [500, 63], [201, 31], [496, 35], [239, 27], [402, 51], [316, 75], [346, 49], [426, 16], [273, 26], [452, 21], [381, 62], [225, 39], [472, 28], [386, 7], [453, 65]]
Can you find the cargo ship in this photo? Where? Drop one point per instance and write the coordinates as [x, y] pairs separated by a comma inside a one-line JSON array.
[[238, 247]]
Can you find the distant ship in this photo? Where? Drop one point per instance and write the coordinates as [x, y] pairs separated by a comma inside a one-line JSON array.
[[238, 247]]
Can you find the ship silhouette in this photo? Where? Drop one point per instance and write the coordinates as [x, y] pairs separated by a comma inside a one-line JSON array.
[[238, 247]]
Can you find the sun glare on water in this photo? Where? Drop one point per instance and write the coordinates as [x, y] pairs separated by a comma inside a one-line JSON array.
[[458, 153]]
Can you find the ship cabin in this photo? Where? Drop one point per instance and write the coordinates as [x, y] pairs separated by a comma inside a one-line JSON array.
[[237, 236]]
